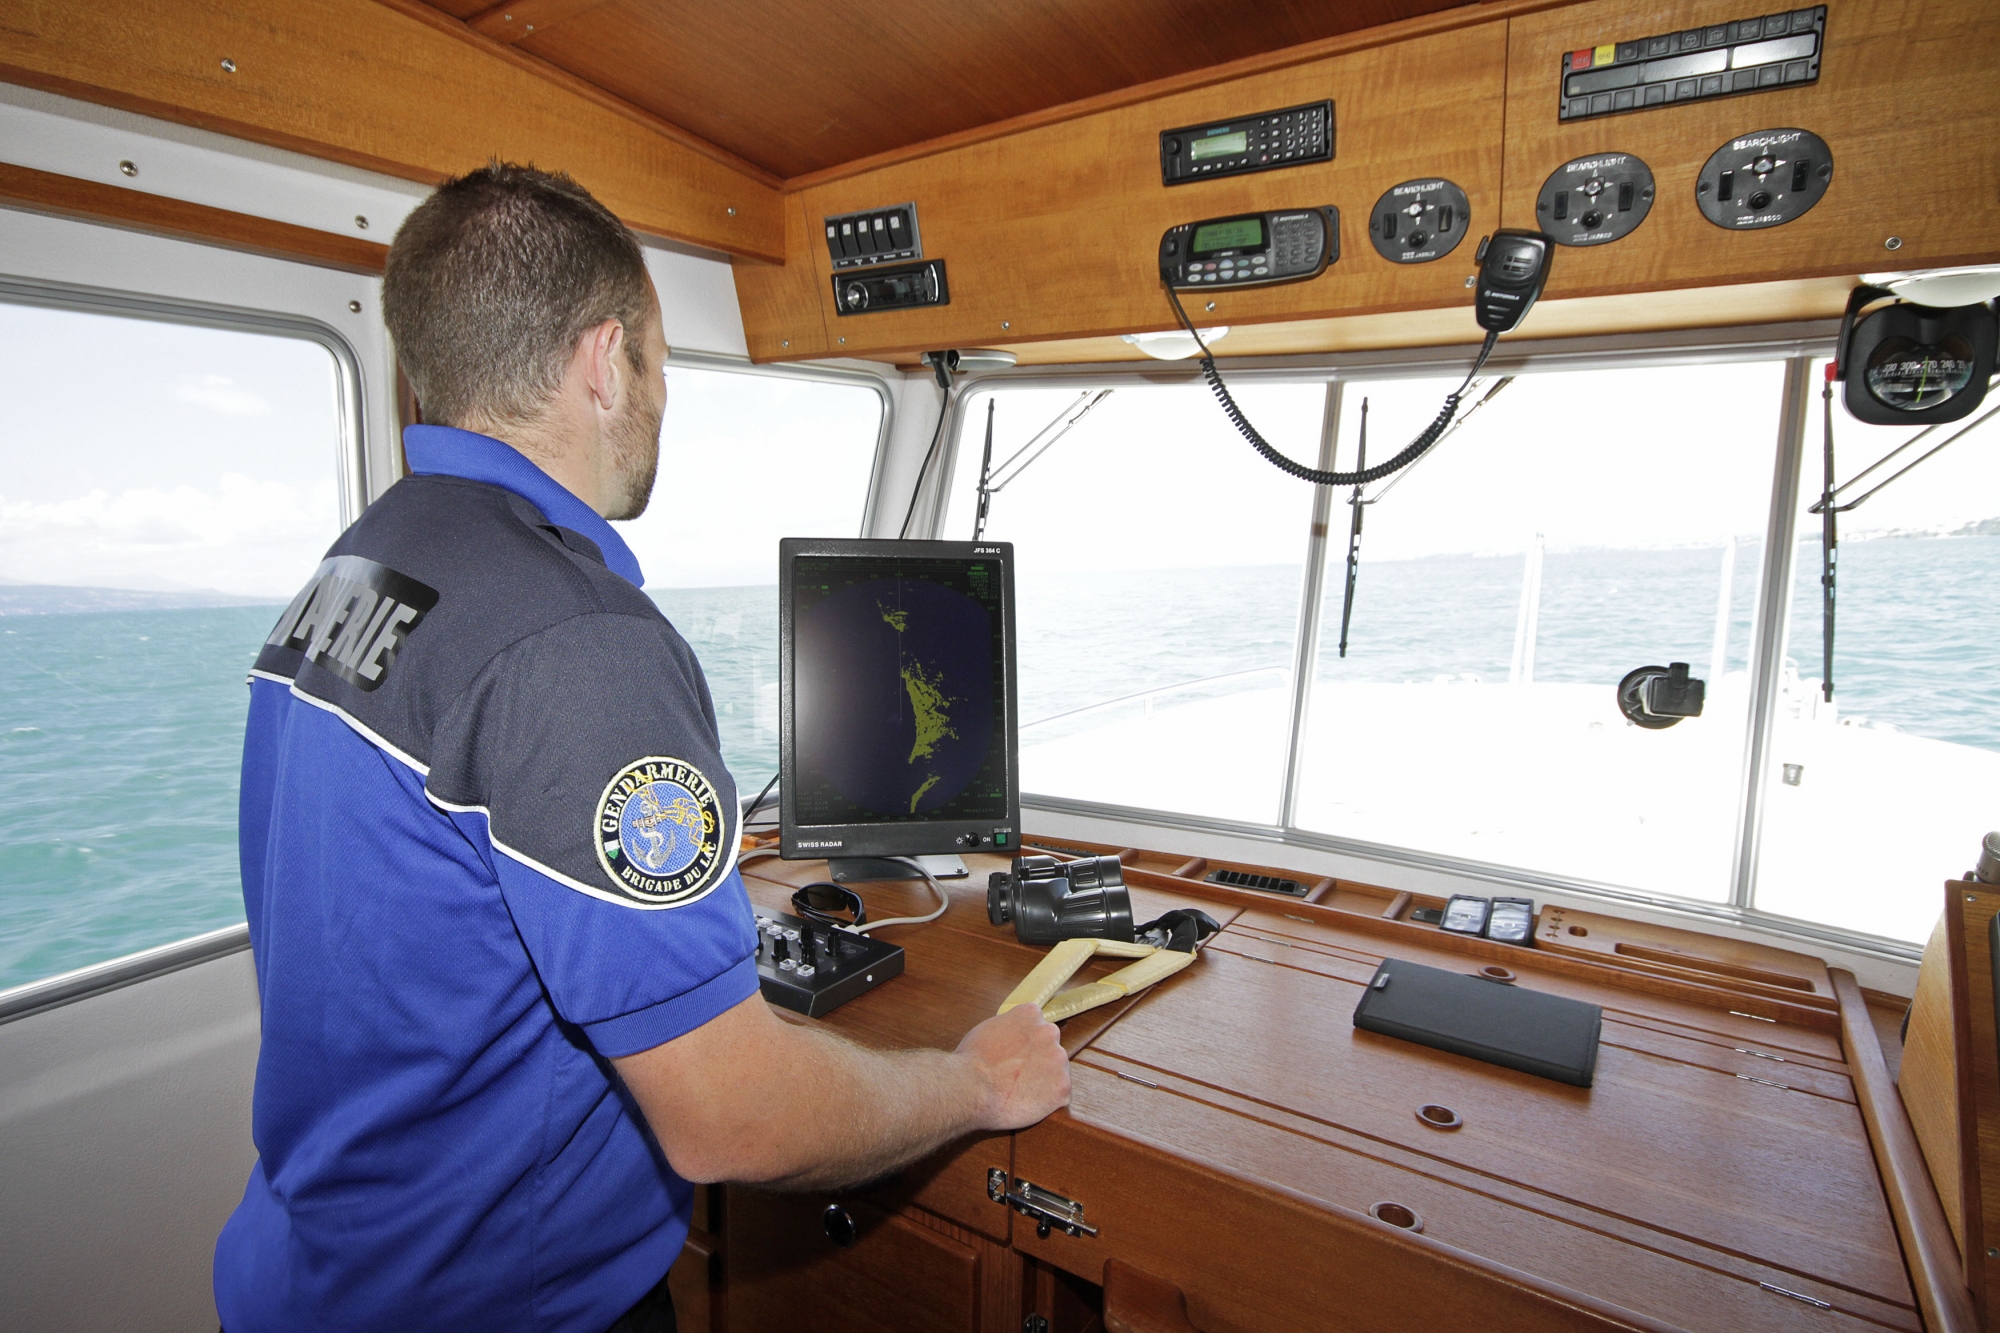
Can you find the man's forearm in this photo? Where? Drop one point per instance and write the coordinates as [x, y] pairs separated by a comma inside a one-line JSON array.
[[750, 1097], [860, 1114]]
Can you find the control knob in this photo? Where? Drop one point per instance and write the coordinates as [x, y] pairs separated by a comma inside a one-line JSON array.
[[855, 296]]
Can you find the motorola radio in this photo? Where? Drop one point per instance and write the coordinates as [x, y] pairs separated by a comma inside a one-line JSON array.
[[1251, 249]]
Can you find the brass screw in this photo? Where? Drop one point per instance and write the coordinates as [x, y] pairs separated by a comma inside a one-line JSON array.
[[361, 222], [130, 168], [732, 212], [1893, 243], [843, 340], [1211, 305], [354, 306], [1006, 324], [787, 343], [228, 65]]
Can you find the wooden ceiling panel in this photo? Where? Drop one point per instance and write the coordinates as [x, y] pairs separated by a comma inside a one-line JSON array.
[[797, 87]]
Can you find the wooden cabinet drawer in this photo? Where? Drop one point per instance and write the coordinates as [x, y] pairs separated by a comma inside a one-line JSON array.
[[899, 1276]]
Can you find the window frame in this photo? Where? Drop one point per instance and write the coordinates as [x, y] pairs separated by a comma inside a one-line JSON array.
[[351, 458], [1795, 344], [351, 465]]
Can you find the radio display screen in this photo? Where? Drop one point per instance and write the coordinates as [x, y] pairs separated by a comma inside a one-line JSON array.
[[1235, 234], [1219, 145]]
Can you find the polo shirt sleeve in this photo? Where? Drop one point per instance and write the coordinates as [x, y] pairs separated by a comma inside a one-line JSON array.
[[589, 752]]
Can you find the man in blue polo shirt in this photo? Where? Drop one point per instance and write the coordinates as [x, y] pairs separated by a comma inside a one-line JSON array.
[[510, 1008]]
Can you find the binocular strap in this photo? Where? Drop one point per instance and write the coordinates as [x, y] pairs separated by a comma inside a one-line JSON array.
[[1043, 986]]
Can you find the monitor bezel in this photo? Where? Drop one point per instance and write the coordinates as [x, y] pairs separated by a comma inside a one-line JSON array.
[[915, 837]]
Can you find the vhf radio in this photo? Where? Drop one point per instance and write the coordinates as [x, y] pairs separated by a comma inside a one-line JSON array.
[[1251, 249]]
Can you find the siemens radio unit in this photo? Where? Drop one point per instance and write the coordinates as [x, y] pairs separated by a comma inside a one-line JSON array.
[[1265, 141]]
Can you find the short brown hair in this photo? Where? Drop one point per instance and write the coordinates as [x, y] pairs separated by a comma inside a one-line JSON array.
[[491, 281]]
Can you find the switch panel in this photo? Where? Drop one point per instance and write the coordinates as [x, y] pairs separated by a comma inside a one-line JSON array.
[[879, 236], [1595, 200], [1764, 179], [1751, 55], [1418, 221]]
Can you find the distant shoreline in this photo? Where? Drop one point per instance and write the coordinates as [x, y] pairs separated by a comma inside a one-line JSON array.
[[51, 599]]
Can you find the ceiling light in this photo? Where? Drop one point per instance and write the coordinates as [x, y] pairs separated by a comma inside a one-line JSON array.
[[1173, 344], [1943, 288]]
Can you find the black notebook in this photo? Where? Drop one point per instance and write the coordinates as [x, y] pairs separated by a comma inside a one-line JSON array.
[[1493, 1021]]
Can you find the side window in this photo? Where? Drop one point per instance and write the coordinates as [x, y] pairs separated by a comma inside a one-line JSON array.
[[164, 490], [804, 449], [1880, 794], [1574, 527], [1158, 564]]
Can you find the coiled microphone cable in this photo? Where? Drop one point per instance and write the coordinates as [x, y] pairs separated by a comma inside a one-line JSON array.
[[1416, 449]]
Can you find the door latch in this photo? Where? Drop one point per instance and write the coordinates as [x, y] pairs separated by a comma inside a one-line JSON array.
[[1048, 1209]]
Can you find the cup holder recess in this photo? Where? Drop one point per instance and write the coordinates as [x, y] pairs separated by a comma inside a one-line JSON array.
[[1439, 1117], [1397, 1215]]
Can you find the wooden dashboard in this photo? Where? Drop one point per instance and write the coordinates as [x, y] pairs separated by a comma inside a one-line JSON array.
[[1245, 1159], [1049, 224]]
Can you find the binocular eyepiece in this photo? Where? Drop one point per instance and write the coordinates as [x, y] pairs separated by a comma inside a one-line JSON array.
[[1050, 900]]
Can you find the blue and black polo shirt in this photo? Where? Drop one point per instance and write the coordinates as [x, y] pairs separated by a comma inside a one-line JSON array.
[[488, 842]]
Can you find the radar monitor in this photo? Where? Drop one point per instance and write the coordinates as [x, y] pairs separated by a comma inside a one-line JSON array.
[[898, 733]]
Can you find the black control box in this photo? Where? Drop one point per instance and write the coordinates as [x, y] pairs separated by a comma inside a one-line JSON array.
[[1266, 141], [903, 287], [813, 969]]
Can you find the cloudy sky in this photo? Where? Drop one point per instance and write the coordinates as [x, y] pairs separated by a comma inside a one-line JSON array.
[[144, 455], [1669, 456], [745, 460]]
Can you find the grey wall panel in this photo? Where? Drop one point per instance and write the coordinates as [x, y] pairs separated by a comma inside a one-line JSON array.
[[125, 1138]]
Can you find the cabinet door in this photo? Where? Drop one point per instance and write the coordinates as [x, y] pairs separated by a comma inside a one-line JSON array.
[[784, 1274]]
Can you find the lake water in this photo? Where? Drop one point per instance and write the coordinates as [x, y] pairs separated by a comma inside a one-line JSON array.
[[121, 730]]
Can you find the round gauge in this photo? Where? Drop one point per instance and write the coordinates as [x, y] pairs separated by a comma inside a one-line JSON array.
[[1910, 376], [1764, 179], [1595, 200], [1418, 221]]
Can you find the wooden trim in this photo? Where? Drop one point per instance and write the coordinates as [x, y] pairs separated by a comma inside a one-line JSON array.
[[1385, 34], [69, 197], [390, 86], [513, 21], [490, 43], [1928, 1247]]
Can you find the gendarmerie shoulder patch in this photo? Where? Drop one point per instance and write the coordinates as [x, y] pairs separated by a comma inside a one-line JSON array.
[[660, 832]]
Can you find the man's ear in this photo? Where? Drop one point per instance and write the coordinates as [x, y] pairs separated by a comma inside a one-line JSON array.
[[602, 350]]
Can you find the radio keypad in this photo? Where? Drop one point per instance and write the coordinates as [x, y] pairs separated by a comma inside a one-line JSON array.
[[1271, 139]]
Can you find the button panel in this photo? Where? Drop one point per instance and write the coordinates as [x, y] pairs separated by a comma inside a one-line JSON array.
[[1764, 179], [1595, 200], [1748, 56], [1266, 141], [879, 236], [1419, 220]]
